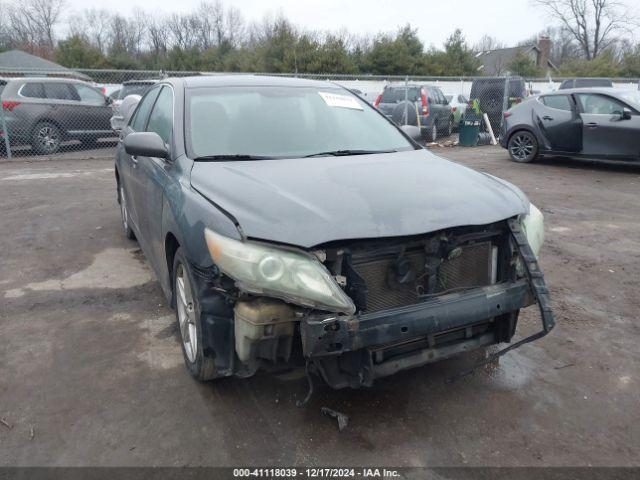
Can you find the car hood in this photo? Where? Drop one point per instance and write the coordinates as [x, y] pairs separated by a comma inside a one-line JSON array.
[[310, 201]]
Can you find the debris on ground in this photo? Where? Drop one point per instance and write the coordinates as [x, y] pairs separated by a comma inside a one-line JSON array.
[[446, 143], [32, 433], [343, 419], [4, 422]]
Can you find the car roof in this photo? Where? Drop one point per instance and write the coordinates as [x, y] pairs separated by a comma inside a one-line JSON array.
[[48, 80], [149, 81], [250, 80], [609, 90]]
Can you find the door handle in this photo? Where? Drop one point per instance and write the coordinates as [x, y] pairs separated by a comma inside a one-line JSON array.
[[547, 117], [592, 125]]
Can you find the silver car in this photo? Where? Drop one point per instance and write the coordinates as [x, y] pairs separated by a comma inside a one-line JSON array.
[[44, 112]]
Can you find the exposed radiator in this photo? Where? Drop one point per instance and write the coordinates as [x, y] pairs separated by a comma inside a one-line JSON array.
[[465, 267]]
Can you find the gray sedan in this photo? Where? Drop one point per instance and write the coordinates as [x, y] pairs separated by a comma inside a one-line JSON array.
[[289, 222], [583, 123]]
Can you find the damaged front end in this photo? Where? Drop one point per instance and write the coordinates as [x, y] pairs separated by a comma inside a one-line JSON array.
[[376, 307]]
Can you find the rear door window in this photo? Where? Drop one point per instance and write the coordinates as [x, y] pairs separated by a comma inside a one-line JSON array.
[[139, 118], [559, 102], [59, 91], [161, 118], [33, 90]]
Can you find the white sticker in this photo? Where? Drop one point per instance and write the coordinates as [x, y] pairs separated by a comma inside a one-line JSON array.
[[341, 101]]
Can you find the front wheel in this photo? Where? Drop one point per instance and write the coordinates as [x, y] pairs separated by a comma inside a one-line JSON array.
[[200, 365], [523, 147]]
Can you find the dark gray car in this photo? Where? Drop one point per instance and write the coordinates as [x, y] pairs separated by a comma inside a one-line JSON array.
[[44, 112], [590, 123], [424, 106], [289, 222]]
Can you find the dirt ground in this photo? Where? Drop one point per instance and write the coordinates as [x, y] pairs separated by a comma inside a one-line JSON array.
[[92, 374]]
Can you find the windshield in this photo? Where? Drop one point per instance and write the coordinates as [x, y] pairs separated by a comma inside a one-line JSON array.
[[632, 97], [284, 122]]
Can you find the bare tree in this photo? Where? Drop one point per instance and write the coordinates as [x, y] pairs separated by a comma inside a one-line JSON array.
[[159, 35], [93, 25], [594, 24], [487, 43]]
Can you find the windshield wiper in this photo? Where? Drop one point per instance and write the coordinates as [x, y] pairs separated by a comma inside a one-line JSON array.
[[345, 153], [236, 156]]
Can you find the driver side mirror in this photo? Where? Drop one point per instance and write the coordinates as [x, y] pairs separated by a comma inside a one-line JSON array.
[[145, 144], [626, 114]]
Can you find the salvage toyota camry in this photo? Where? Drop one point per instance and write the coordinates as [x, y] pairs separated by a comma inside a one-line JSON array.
[[289, 222]]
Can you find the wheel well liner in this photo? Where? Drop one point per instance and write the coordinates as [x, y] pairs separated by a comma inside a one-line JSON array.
[[171, 246]]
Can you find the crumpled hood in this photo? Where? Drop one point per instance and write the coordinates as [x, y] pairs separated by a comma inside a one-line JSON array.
[[310, 201]]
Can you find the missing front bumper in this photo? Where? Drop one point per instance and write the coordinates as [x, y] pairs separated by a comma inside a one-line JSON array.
[[346, 350], [335, 335]]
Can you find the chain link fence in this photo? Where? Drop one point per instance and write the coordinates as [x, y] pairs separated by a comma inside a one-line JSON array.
[[59, 111]]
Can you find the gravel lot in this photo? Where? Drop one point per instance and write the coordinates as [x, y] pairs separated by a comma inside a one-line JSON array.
[[92, 372]]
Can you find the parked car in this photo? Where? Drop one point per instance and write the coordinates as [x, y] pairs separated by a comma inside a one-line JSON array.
[[123, 111], [593, 123], [330, 237], [130, 87], [585, 83], [424, 106], [44, 112], [459, 105], [495, 95]]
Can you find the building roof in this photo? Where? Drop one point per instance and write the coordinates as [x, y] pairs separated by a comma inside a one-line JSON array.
[[495, 62], [17, 61]]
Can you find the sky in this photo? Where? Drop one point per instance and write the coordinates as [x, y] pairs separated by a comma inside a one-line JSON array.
[[507, 20]]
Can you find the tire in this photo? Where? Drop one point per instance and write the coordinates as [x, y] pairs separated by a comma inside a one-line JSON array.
[[124, 213], [523, 147], [432, 134], [189, 319], [46, 138]]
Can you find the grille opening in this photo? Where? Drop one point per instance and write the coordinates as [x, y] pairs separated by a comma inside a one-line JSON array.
[[397, 279]]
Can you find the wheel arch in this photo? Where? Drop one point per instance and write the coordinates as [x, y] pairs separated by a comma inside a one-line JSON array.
[[63, 132]]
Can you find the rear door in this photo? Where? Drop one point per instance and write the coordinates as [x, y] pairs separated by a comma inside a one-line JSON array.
[[65, 110], [605, 133], [560, 123]]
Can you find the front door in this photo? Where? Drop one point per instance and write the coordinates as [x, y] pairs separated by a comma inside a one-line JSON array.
[[606, 132], [96, 111], [153, 174], [134, 180]]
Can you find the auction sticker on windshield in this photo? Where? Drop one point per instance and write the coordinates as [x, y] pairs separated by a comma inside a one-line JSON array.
[[340, 101]]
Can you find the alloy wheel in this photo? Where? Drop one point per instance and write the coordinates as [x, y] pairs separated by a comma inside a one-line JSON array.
[[123, 210], [48, 138], [521, 147], [186, 314]]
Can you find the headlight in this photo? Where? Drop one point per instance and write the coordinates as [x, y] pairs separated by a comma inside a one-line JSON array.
[[287, 274], [533, 225]]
